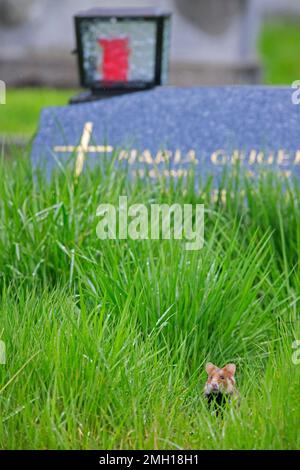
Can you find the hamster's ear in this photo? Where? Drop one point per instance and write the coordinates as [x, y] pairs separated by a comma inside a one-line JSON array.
[[231, 368], [209, 367]]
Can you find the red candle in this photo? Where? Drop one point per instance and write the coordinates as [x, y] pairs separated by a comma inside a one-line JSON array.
[[115, 64]]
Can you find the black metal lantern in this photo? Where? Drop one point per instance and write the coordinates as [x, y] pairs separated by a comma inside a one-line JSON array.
[[121, 50]]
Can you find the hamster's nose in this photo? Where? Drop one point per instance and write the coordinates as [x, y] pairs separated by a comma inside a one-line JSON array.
[[215, 386]]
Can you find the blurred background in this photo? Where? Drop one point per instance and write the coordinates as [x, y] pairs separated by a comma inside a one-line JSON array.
[[213, 42]]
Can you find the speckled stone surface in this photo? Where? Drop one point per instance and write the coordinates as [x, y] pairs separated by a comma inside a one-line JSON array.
[[202, 128]]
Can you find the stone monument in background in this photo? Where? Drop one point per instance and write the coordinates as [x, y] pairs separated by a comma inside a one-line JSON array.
[[213, 42]]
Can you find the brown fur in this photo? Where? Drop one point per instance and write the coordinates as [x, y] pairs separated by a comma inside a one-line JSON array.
[[220, 383]]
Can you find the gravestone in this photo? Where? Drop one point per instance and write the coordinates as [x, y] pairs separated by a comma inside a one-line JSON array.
[[171, 131]]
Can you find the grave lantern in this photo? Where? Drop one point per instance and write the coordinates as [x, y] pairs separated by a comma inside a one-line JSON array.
[[121, 50]]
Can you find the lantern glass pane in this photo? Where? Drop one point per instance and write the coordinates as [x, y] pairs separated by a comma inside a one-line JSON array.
[[118, 50], [166, 51]]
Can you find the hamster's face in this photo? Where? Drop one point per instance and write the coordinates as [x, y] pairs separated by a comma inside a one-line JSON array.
[[220, 380]]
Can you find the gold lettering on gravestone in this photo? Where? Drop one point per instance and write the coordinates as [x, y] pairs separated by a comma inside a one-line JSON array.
[[146, 157], [263, 159], [219, 157], [83, 148], [283, 157], [255, 156], [297, 158], [237, 156], [162, 156], [191, 157], [177, 156], [123, 155], [132, 156]]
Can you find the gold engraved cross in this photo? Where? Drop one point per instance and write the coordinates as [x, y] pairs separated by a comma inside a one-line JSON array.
[[83, 148]]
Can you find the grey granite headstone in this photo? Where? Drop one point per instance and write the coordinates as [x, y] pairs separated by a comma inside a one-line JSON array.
[[172, 130]]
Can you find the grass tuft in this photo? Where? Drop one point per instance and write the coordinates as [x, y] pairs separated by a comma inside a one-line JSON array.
[[107, 340]]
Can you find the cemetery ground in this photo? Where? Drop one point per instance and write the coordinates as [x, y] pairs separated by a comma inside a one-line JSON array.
[[106, 341], [278, 46]]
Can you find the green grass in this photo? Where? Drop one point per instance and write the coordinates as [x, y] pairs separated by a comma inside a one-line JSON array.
[[279, 49], [20, 114], [107, 340]]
